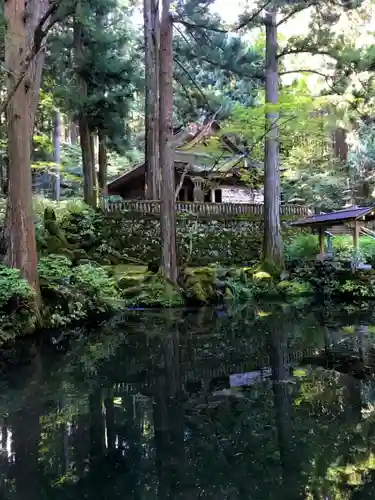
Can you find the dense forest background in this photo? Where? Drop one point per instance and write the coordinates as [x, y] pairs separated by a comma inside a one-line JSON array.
[[326, 129]]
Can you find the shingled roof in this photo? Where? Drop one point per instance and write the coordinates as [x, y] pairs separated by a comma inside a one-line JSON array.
[[184, 142], [338, 217]]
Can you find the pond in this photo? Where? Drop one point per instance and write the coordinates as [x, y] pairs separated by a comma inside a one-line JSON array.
[[268, 402]]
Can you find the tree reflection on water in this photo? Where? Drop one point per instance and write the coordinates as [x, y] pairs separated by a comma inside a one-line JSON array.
[[143, 408]]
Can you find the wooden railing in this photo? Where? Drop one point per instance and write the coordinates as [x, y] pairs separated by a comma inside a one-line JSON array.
[[205, 209]]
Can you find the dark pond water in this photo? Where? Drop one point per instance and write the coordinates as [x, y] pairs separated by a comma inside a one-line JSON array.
[[263, 403]]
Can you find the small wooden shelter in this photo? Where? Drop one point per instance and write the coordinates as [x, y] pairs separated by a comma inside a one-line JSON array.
[[353, 217]]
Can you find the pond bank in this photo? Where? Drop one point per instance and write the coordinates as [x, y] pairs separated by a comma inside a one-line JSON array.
[[75, 294]]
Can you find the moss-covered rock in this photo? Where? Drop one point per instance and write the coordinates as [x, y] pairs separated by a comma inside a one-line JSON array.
[[199, 285], [52, 244], [115, 258], [79, 255], [125, 282], [51, 225], [155, 291], [295, 288], [67, 252]]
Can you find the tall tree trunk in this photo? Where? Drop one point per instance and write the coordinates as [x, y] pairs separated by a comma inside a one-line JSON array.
[[272, 244], [22, 20], [152, 41], [93, 164], [57, 152], [168, 208], [73, 132], [84, 131], [103, 164]]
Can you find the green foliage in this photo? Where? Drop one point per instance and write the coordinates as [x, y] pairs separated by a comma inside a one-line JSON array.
[[152, 291], [109, 65], [55, 269], [74, 294], [299, 120], [295, 288], [214, 70], [302, 246], [306, 247], [95, 283], [17, 299], [13, 286]]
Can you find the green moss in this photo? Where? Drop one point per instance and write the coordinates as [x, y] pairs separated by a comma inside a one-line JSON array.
[[125, 282], [52, 244], [80, 254], [129, 270], [295, 288], [67, 253], [155, 292], [261, 275], [199, 284]]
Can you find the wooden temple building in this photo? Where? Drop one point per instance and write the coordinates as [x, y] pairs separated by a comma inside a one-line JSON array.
[[208, 168]]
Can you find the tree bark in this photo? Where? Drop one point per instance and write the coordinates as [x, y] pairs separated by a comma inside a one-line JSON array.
[[272, 243], [168, 207], [57, 152], [84, 130], [73, 132], [152, 42], [93, 164], [103, 164], [22, 20]]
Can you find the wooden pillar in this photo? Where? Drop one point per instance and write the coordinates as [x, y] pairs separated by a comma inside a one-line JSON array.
[[356, 230], [321, 243], [198, 192]]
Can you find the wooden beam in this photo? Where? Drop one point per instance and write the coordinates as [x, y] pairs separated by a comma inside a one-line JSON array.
[[356, 229]]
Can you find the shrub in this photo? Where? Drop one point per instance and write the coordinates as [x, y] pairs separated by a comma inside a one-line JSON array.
[[72, 294], [367, 246], [55, 269], [13, 287], [303, 246], [97, 286], [343, 247], [16, 301]]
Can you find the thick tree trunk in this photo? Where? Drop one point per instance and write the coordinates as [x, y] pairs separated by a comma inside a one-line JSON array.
[[84, 130], [272, 244], [22, 19], [88, 169], [168, 209], [57, 152], [103, 164], [93, 164], [152, 41]]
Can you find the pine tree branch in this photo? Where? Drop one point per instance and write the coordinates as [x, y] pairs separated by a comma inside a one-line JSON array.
[[189, 24], [40, 34], [184, 89], [241, 25], [295, 11], [303, 70], [253, 16], [314, 51], [192, 80]]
